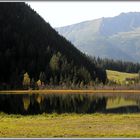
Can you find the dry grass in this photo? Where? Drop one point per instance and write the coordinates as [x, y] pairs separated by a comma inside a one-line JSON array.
[[70, 125]]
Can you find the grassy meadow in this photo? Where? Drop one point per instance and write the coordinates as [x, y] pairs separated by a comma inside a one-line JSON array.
[[70, 125], [120, 77]]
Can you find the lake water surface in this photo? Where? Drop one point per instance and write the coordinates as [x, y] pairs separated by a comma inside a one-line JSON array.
[[69, 103]]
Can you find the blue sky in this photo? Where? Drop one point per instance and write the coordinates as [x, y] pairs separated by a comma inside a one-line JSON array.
[[64, 13]]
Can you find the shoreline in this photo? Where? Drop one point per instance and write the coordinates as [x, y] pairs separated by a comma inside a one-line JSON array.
[[45, 91]]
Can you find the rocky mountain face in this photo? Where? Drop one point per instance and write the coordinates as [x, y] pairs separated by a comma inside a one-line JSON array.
[[115, 37]]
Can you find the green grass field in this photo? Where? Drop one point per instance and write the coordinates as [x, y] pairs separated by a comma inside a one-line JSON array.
[[119, 77], [70, 125]]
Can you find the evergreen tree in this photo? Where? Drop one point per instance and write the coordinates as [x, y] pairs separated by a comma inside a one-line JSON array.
[[33, 83], [42, 77], [55, 61], [51, 81]]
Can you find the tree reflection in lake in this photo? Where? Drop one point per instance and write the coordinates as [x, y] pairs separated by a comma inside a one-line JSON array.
[[69, 103]]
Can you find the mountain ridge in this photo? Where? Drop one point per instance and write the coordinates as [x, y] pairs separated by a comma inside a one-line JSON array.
[[103, 31]]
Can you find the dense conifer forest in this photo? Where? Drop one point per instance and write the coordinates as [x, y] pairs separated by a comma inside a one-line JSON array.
[[117, 65], [33, 53]]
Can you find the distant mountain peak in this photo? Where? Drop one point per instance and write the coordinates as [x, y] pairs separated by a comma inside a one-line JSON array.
[[98, 37], [129, 13]]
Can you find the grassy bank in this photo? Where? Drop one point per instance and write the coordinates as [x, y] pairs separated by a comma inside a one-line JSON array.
[[70, 125]]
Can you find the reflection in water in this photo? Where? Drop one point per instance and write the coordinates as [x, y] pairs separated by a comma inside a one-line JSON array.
[[69, 103], [127, 103], [26, 102]]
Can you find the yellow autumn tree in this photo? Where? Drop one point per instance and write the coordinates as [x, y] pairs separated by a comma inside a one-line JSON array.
[[26, 80]]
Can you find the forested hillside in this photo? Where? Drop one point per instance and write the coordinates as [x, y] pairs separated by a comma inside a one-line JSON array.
[[32, 52]]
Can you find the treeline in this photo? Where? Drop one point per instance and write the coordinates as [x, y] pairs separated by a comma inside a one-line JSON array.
[[117, 65], [30, 49], [58, 72]]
